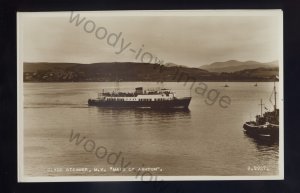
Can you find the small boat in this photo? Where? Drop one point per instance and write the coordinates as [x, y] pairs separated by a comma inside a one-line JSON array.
[[266, 124], [226, 85], [140, 98], [255, 84]]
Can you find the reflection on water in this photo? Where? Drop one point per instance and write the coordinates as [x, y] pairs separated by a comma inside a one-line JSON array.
[[140, 112], [264, 143]]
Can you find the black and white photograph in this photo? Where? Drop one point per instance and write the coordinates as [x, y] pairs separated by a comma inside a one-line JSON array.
[[150, 95]]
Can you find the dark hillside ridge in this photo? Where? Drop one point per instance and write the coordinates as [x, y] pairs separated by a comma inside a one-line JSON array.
[[129, 71]]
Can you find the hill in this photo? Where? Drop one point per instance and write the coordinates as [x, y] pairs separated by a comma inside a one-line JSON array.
[[252, 74], [234, 66], [128, 71]]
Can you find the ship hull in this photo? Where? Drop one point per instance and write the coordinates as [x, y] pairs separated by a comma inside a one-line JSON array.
[[175, 103], [261, 130]]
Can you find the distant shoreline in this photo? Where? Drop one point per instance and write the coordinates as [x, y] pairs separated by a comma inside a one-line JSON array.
[[139, 72]]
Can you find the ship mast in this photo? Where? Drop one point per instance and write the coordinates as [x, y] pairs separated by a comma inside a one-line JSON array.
[[261, 109], [117, 83], [275, 96]]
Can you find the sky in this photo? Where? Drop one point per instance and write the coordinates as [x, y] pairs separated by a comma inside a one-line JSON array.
[[184, 38]]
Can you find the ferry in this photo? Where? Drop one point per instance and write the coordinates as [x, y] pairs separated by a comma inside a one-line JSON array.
[[140, 98]]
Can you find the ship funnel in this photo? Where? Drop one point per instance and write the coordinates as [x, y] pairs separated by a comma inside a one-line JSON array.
[[139, 90]]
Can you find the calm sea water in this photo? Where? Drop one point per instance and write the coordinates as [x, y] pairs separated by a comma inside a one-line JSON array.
[[206, 140]]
